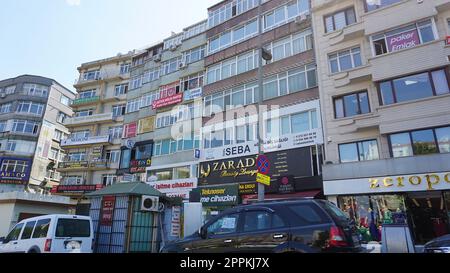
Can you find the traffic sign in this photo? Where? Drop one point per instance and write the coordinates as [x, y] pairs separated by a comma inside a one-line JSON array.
[[263, 179], [263, 164]]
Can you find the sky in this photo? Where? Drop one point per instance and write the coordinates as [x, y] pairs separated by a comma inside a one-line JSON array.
[[51, 38]]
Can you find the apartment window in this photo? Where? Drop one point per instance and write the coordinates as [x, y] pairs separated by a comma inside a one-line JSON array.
[[291, 124], [144, 151], [120, 89], [233, 66], [30, 107], [173, 42], [15, 166], [220, 15], [423, 85], [359, 151], [294, 80], [61, 117], [125, 68], [5, 108], [420, 142], [291, 45], [133, 105], [345, 60], [136, 82], [54, 153], [109, 179], [195, 30], [195, 55], [151, 75], [35, 90], [402, 38], [25, 126], [147, 99], [65, 100], [119, 110], [2, 126], [282, 14], [192, 82], [115, 132], [171, 66], [73, 180], [10, 90], [171, 146], [86, 94], [84, 113], [351, 105], [11, 146], [80, 135], [113, 156], [371, 5], [57, 135], [77, 156], [340, 19], [229, 135], [231, 37], [91, 75]]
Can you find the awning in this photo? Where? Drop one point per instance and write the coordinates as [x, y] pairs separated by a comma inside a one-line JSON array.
[[271, 197]]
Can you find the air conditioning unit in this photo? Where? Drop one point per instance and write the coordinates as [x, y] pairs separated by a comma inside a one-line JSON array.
[[300, 19], [3, 95], [157, 58], [173, 48], [182, 65], [150, 203]]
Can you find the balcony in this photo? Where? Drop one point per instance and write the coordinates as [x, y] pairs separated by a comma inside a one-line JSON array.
[[347, 33], [355, 75], [87, 120], [86, 141], [86, 101], [107, 75]]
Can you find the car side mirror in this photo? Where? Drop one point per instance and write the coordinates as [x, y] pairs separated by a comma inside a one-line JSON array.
[[203, 232]]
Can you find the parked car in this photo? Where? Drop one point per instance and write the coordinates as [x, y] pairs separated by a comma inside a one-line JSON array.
[[50, 234], [300, 225], [438, 245]]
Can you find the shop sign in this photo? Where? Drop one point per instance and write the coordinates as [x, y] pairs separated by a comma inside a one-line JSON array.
[[147, 125], [108, 204], [175, 186], [73, 165], [176, 222], [140, 165], [130, 130], [403, 40], [286, 184], [193, 94], [167, 101], [250, 148], [296, 162], [250, 188], [241, 169], [98, 164], [85, 141], [20, 175], [71, 189], [183, 195], [263, 179], [403, 183], [447, 40], [97, 152], [292, 141], [219, 196]]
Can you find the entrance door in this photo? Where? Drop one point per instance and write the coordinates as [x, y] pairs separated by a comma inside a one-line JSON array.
[[429, 219]]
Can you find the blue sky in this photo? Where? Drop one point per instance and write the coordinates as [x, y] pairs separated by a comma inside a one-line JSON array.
[[52, 38]]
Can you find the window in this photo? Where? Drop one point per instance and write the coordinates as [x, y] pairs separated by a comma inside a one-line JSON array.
[[91, 75], [359, 151], [73, 180], [78, 135], [54, 154], [28, 230], [171, 65], [340, 20], [115, 132], [234, 36], [84, 113], [144, 151], [14, 234], [285, 13], [147, 99], [151, 75], [25, 126], [113, 156], [224, 225], [402, 38], [73, 228], [133, 105], [345, 60], [120, 89], [41, 229], [192, 82], [194, 55], [125, 68], [11, 146], [77, 156], [65, 100], [291, 45], [194, 30], [10, 89], [61, 117], [5, 108], [262, 220], [420, 142], [136, 82], [2, 126], [291, 124], [182, 172], [308, 214], [233, 66], [171, 146], [373, 5], [35, 90], [30, 107], [414, 87], [119, 110], [86, 94], [351, 105], [57, 135], [230, 10], [109, 179]]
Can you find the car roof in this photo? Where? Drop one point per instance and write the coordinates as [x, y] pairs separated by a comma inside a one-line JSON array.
[[270, 203], [57, 216]]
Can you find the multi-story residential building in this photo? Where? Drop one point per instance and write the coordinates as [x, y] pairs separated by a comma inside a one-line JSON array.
[[31, 132], [164, 116], [93, 147], [384, 84], [292, 139]]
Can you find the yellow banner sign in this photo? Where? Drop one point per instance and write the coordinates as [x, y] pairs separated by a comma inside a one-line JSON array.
[[146, 125], [263, 179]]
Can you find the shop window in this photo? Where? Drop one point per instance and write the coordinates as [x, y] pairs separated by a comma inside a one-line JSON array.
[[423, 142], [359, 151], [351, 105], [443, 138]]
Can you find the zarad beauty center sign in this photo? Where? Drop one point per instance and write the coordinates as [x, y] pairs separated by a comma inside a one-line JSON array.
[[403, 40]]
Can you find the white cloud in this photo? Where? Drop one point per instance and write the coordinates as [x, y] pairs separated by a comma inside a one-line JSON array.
[[73, 2]]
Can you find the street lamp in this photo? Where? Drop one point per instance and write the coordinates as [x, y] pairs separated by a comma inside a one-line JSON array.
[[263, 55]]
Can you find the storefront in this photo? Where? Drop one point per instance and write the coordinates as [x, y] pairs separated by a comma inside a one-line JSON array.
[[422, 201]]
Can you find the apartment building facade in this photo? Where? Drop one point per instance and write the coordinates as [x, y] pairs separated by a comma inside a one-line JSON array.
[[163, 115], [31, 132], [384, 85], [93, 146], [292, 137]]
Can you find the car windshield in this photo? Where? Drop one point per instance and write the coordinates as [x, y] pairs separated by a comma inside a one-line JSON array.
[[73, 228]]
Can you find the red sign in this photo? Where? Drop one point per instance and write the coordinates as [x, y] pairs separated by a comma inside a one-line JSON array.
[[447, 40], [263, 164], [130, 130], [108, 204], [76, 188], [403, 40], [168, 101]]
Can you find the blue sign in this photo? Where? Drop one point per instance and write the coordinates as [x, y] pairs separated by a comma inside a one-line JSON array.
[[197, 153], [263, 164], [193, 94], [15, 170]]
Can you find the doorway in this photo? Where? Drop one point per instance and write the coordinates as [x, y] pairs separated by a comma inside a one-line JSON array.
[[428, 215]]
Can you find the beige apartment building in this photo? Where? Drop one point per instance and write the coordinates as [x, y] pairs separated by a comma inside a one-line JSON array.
[[93, 147], [384, 87]]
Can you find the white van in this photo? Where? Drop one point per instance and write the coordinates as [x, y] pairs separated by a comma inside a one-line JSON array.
[[50, 234]]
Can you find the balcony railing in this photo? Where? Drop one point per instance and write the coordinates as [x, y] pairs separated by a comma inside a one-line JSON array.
[[85, 141], [83, 101], [89, 119]]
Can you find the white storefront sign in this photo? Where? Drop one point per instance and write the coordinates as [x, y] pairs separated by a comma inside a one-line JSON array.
[[388, 184], [176, 222], [85, 140], [293, 141], [175, 188], [230, 151], [193, 94]]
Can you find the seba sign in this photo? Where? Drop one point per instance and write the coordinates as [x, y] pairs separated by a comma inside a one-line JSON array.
[[250, 148]]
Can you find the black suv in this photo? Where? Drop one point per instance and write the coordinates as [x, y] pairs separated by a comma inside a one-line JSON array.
[[300, 225]]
